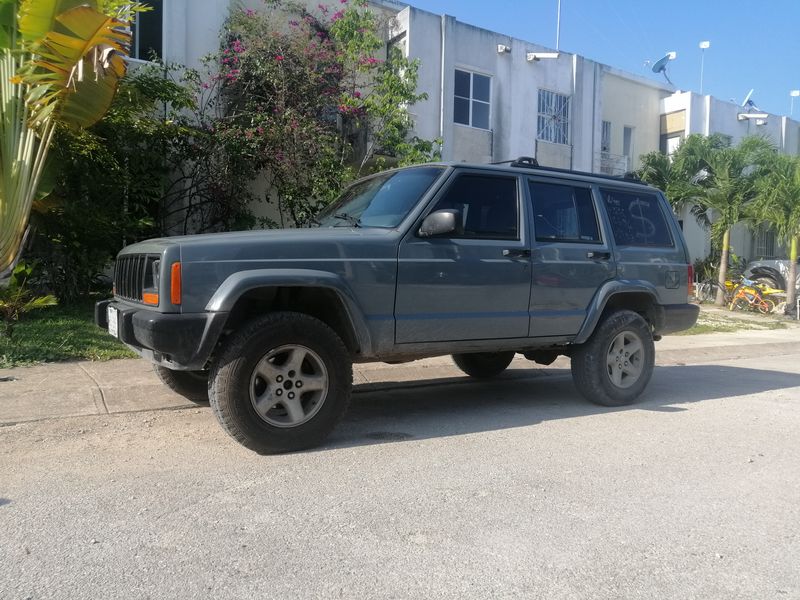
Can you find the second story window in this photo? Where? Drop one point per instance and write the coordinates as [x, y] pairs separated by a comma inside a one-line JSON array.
[[148, 32], [553, 122], [472, 99]]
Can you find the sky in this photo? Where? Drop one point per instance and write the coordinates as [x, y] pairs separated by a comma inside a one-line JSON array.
[[754, 44]]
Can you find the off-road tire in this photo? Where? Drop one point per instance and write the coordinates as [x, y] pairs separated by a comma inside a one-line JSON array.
[[483, 365], [767, 280], [192, 385], [590, 370], [233, 371]]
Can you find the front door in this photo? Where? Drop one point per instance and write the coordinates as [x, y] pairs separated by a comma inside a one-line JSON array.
[[571, 256], [473, 284]]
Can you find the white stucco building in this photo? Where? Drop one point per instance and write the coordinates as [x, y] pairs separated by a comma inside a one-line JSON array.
[[493, 98]]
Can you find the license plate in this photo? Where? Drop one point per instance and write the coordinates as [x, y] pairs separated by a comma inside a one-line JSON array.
[[113, 321]]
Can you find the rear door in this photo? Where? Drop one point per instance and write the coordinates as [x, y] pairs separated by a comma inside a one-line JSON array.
[[647, 241], [571, 257]]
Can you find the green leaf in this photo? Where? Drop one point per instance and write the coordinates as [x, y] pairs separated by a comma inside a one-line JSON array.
[[37, 18]]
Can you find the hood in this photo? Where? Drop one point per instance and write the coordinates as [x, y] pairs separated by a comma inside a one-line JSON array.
[[273, 244]]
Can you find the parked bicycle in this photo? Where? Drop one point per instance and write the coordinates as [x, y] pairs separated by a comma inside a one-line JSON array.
[[750, 296]]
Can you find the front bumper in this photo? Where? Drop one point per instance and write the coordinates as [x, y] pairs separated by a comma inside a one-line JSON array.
[[676, 317], [177, 341]]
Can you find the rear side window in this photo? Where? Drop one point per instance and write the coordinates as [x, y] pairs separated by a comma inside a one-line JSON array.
[[563, 213], [636, 219], [488, 206]]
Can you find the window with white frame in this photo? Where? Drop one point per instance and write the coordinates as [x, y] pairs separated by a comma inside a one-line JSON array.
[[472, 99], [553, 122]]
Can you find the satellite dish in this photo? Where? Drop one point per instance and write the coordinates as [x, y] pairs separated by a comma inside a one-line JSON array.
[[660, 65], [748, 102]]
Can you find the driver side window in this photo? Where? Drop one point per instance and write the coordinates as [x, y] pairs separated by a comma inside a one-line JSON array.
[[487, 205]]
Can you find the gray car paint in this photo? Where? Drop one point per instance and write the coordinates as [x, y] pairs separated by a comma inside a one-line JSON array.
[[412, 297]]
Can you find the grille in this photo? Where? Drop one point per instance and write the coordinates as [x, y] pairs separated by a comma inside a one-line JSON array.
[[133, 273]]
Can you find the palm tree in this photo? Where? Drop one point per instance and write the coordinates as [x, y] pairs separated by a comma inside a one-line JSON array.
[[728, 185], [60, 63], [778, 203], [680, 176]]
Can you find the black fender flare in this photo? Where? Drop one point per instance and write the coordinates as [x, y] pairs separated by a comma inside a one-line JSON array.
[[613, 289], [764, 271], [229, 292]]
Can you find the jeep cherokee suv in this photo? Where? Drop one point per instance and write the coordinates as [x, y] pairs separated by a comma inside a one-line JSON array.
[[477, 261]]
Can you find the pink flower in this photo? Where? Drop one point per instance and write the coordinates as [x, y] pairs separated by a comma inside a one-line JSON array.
[[337, 15], [356, 94], [323, 9], [279, 57], [250, 12]]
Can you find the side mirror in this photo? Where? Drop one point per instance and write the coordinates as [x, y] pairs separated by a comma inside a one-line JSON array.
[[441, 222]]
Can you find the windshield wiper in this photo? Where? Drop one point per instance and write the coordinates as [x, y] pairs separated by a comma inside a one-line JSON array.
[[349, 218]]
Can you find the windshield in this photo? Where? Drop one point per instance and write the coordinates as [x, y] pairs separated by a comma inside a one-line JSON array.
[[380, 201]]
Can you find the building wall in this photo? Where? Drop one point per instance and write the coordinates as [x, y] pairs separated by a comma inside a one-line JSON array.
[[629, 102], [191, 29], [443, 44]]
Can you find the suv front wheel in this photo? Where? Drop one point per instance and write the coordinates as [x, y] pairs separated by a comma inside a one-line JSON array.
[[281, 383], [615, 365]]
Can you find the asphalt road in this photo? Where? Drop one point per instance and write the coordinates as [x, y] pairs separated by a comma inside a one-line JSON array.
[[515, 488]]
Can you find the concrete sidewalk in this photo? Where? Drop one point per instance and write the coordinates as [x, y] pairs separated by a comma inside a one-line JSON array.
[[58, 390]]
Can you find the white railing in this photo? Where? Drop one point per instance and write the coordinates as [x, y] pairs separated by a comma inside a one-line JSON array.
[[610, 164]]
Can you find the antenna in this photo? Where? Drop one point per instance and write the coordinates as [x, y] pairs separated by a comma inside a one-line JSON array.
[[660, 65]]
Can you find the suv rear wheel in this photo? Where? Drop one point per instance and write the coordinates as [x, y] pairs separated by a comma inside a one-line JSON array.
[[483, 365], [281, 383], [192, 385], [615, 365]]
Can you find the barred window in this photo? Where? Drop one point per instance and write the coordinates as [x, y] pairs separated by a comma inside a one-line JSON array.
[[472, 99], [553, 122]]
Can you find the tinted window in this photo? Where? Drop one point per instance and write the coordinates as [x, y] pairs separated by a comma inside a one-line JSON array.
[[636, 219], [563, 213], [488, 205]]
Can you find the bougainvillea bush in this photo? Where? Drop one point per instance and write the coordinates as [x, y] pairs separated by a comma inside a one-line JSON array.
[[313, 99]]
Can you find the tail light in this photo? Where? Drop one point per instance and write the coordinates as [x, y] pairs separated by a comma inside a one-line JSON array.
[[690, 287], [175, 283]]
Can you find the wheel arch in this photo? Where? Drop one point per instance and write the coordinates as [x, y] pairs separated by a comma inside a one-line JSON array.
[[774, 274], [322, 295], [640, 297]]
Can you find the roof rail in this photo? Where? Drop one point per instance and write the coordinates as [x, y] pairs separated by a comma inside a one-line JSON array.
[[528, 162]]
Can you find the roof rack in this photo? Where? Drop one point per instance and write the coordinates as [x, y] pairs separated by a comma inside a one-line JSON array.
[[528, 162]]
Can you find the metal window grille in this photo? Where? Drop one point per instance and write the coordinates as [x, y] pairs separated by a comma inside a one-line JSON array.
[[605, 137], [764, 243], [553, 121]]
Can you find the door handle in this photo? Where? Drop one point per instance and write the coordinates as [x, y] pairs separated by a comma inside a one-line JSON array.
[[516, 252], [595, 255]]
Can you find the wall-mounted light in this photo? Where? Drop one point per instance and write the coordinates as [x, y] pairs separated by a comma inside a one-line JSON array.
[[537, 56], [503, 49], [757, 116]]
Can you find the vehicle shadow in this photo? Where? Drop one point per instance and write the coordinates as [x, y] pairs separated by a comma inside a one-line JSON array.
[[4, 501], [459, 405]]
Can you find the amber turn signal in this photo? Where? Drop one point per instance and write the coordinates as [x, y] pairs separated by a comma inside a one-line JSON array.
[[175, 283], [150, 298]]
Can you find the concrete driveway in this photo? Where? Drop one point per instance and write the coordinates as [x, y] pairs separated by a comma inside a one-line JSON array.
[[439, 487]]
